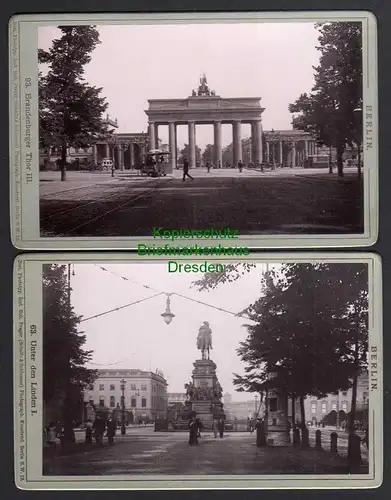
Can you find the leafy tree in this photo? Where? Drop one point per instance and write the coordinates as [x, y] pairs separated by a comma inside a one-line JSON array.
[[70, 110], [330, 112], [64, 358], [185, 153], [208, 154]]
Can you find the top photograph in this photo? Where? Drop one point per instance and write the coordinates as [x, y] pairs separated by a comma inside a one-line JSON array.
[[205, 132]]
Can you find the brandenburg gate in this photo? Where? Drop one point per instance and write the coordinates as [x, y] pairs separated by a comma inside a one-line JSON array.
[[205, 107]]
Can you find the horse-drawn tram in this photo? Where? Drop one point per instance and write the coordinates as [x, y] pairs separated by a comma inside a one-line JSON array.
[[156, 163]]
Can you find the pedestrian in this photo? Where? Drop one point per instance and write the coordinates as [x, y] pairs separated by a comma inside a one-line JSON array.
[[221, 428], [111, 428], [99, 429], [261, 435], [208, 166], [215, 427], [193, 431], [88, 432], [240, 166], [186, 170], [200, 427]]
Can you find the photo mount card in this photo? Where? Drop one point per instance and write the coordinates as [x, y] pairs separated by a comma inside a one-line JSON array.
[[280, 184], [164, 352]]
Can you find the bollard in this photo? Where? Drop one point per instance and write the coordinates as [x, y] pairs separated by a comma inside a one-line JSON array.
[[334, 443], [296, 436], [354, 453], [318, 440], [305, 438]]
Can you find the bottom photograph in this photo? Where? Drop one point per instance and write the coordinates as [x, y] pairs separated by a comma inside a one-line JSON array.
[[255, 374]]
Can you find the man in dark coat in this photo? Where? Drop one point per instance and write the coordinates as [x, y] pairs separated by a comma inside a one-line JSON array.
[[261, 435], [111, 428], [193, 431], [186, 170], [221, 428]]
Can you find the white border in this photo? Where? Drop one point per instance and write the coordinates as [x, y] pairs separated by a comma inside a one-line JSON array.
[[25, 196], [28, 311]]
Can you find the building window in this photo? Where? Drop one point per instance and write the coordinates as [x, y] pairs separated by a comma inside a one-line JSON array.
[[313, 407], [334, 406], [143, 402], [133, 403], [324, 407], [133, 387], [112, 402], [344, 393], [90, 387], [345, 406], [101, 401], [143, 387], [101, 387], [112, 387]]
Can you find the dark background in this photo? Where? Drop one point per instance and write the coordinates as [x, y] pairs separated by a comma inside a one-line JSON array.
[[382, 10]]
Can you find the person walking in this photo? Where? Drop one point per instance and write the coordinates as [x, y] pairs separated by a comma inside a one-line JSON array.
[[200, 426], [186, 170], [208, 166], [193, 431], [111, 428], [221, 428], [261, 435], [215, 427], [240, 166]]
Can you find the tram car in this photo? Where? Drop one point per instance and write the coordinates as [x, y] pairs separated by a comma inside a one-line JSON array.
[[156, 163]]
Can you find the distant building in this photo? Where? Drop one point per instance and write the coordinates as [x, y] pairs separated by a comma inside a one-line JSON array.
[[145, 394], [241, 410], [317, 409]]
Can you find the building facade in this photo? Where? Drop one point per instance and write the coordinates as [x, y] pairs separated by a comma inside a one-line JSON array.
[[144, 392]]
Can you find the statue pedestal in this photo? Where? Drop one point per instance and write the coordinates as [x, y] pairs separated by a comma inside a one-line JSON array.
[[204, 373]]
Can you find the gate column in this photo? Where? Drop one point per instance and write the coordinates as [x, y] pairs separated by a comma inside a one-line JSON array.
[[192, 145], [218, 151], [152, 135], [237, 142]]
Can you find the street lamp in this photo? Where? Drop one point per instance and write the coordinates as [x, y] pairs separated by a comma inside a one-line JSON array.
[[358, 113], [123, 428], [168, 315]]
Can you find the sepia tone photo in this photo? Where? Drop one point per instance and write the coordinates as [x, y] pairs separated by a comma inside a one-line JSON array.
[[253, 125], [262, 369]]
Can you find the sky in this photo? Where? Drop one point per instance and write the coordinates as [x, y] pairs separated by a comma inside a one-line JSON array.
[[137, 336], [273, 61]]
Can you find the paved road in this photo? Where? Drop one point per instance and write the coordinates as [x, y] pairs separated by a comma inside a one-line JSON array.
[[278, 202], [169, 453]]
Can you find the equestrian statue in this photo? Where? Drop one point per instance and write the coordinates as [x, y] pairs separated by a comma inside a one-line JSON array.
[[204, 340]]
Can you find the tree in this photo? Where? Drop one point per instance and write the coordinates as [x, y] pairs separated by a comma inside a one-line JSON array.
[[329, 112], [185, 153], [64, 359], [309, 329], [70, 110], [208, 154]]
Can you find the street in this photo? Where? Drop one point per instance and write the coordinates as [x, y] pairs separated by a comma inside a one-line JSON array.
[[144, 451], [284, 201]]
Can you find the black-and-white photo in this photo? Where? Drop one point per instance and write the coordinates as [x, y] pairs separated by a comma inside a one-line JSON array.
[[261, 369], [258, 126]]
